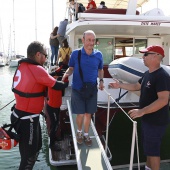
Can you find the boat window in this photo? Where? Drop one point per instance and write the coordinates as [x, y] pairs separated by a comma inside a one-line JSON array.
[[129, 47], [139, 44], [118, 47], [105, 45], [123, 47]]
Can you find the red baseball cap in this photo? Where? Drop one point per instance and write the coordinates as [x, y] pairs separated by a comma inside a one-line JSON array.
[[154, 48]]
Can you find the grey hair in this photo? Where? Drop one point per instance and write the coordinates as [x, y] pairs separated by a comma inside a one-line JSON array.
[[89, 32]]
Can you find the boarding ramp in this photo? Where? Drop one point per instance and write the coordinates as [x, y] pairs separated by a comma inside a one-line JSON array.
[[93, 157]]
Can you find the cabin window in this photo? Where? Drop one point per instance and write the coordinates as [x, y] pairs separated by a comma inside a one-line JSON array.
[[128, 47], [139, 44], [123, 47], [118, 47], [105, 45]]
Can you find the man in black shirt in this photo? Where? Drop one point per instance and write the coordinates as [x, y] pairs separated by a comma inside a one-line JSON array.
[[154, 106]]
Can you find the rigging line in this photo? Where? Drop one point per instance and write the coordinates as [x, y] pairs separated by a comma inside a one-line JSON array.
[[7, 104]]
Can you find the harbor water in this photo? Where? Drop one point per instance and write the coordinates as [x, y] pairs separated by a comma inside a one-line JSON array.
[[10, 160]]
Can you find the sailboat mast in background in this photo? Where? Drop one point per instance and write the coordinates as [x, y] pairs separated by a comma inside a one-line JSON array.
[[35, 20], [14, 54]]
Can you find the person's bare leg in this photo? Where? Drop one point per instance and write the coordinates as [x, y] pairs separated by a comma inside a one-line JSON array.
[[148, 162], [153, 162], [79, 121], [87, 120]]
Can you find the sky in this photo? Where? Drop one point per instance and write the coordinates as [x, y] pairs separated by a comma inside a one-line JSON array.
[[24, 26]]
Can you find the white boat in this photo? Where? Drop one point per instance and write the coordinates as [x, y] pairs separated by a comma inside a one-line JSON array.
[[14, 62], [3, 59], [120, 35], [2, 63]]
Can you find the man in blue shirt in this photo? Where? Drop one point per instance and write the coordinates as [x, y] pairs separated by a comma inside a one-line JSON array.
[[91, 64], [62, 31]]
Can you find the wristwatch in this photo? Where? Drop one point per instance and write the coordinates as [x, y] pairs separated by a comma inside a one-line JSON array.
[[101, 80]]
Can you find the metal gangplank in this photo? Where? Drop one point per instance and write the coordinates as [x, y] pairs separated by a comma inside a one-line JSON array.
[[93, 157]]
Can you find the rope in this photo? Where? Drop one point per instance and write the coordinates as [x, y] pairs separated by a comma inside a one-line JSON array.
[[7, 104]]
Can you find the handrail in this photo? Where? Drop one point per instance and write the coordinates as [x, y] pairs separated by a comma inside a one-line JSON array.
[[79, 165], [134, 133], [101, 147]]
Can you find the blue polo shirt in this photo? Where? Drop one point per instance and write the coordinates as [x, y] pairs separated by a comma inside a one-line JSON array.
[[90, 64]]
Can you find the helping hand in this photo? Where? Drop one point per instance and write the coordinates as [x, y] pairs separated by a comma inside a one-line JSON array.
[[65, 77], [115, 84], [135, 113], [101, 86]]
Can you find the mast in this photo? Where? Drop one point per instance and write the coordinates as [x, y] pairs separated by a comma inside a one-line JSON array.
[[52, 14], [35, 20], [9, 44], [1, 39], [14, 28]]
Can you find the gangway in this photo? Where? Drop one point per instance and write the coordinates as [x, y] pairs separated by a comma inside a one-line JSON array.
[[93, 157]]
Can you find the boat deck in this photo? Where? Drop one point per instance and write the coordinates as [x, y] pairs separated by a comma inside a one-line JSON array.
[[93, 157]]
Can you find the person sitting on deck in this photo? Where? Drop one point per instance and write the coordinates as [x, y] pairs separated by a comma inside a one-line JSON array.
[[73, 9], [102, 5], [91, 5]]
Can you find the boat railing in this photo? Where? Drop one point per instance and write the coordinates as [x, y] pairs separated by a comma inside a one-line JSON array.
[[79, 165], [134, 132]]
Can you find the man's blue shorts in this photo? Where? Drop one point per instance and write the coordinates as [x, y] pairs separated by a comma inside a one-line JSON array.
[[79, 105], [151, 138]]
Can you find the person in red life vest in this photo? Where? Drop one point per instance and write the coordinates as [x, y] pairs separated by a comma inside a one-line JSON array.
[[91, 5], [53, 110], [29, 85]]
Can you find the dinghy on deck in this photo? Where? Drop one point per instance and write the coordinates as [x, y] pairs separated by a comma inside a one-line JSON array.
[[129, 69]]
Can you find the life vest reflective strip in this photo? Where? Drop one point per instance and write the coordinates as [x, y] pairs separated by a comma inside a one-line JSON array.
[[23, 94]]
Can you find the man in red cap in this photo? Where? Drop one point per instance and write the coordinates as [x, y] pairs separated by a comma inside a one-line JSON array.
[[153, 104]]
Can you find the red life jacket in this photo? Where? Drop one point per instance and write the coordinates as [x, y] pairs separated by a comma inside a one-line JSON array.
[[29, 86]]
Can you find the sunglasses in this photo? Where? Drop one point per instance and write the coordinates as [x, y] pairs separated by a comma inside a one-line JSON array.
[[146, 54], [46, 56]]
